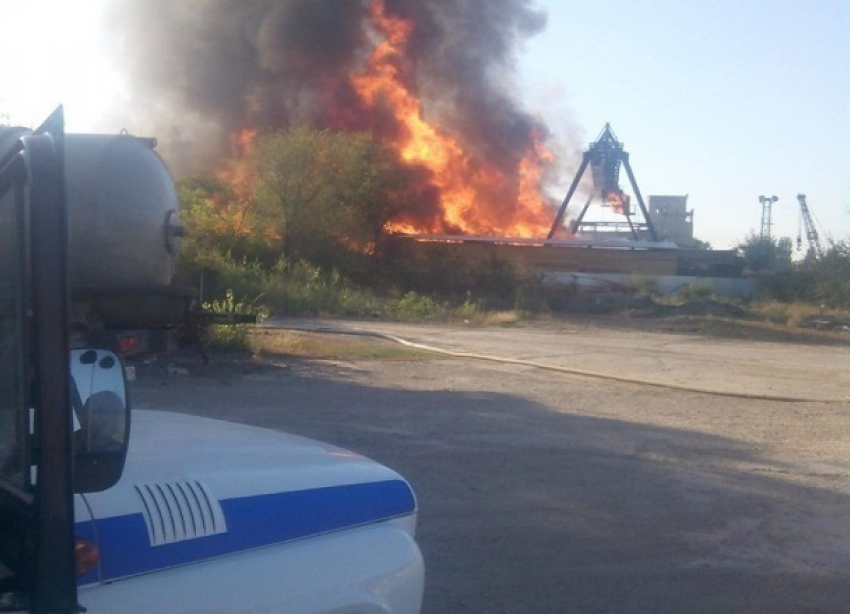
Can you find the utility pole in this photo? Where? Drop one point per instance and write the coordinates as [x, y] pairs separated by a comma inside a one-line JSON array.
[[766, 214]]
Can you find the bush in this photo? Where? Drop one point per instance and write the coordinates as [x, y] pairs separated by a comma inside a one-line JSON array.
[[825, 281], [644, 286], [696, 292], [302, 288], [414, 306], [231, 336], [795, 314], [215, 274]]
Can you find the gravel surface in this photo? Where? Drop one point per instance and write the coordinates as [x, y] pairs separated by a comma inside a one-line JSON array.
[[543, 491]]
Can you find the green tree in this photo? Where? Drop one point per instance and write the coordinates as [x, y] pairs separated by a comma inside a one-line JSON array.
[[317, 197], [324, 193], [698, 244], [821, 281], [766, 253], [378, 188], [295, 189], [219, 219], [832, 276]]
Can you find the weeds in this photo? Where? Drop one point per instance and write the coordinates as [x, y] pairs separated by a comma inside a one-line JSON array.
[[231, 336], [322, 346], [796, 314], [696, 292], [305, 289], [644, 286]]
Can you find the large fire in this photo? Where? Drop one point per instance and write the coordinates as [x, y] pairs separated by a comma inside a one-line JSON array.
[[474, 197], [469, 192]]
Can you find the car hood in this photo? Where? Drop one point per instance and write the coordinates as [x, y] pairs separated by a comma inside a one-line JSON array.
[[195, 488]]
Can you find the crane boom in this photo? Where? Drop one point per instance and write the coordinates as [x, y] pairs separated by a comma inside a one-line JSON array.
[[815, 246]]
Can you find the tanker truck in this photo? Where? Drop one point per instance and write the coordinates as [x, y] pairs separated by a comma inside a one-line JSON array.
[[108, 509], [124, 235]]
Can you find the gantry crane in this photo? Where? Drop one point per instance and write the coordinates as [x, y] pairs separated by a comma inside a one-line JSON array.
[[604, 156], [815, 247]]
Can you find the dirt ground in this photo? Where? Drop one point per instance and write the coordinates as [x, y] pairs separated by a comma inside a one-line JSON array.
[[542, 491]]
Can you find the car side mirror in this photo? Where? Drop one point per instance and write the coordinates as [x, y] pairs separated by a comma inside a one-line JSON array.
[[101, 419]]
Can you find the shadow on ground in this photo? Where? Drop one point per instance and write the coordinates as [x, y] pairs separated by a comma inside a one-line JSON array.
[[528, 509]]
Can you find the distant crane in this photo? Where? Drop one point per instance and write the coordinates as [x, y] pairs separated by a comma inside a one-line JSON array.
[[815, 247]]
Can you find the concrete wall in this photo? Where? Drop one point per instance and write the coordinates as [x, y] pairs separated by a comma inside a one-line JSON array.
[[529, 257], [535, 259], [666, 284]]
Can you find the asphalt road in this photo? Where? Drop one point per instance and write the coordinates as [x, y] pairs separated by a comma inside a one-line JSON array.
[[695, 362], [545, 491]]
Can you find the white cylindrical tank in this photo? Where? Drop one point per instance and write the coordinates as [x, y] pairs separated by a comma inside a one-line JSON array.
[[123, 214], [124, 232]]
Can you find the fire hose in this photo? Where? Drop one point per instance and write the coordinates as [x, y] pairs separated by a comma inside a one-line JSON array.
[[574, 371]]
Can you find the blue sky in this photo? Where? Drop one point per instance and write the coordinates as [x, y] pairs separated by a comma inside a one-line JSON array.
[[721, 100]]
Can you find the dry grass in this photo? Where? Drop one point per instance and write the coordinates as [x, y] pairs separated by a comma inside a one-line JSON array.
[[325, 346], [496, 318], [794, 315]]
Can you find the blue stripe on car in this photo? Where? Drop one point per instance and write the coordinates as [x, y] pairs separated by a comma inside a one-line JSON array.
[[252, 522]]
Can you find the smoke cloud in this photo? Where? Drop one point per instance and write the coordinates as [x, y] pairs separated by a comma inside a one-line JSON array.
[[206, 70], [209, 68]]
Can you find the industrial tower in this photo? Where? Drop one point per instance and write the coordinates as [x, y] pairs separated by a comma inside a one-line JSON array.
[[604, 156], [766, 215]]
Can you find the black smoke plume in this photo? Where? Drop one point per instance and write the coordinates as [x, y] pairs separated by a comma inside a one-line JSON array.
[[210, 68]]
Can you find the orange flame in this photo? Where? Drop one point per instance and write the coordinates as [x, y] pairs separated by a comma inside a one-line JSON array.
[[241, 142], [618, 201], [475, 198], [466, 187], [237, 172], [231, 208]]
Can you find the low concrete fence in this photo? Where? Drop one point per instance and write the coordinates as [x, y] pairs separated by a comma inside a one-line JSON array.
[[663, 284]]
